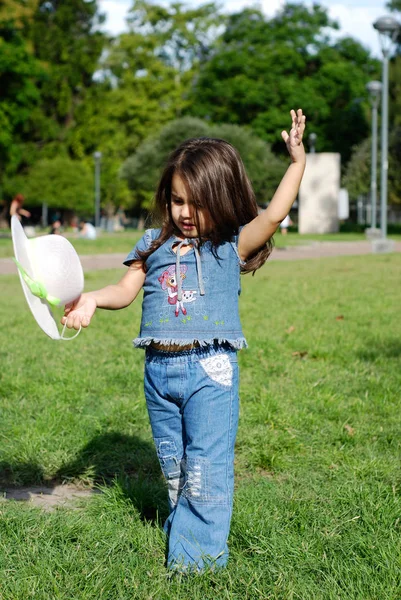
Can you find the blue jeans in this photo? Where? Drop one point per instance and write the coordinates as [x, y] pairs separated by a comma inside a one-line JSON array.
[[192, 400]]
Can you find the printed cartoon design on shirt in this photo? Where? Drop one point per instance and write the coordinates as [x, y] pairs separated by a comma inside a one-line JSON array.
[[168, 281]]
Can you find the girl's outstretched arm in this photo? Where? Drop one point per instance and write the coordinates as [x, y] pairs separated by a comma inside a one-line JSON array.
[[256, 233], [113, 297]]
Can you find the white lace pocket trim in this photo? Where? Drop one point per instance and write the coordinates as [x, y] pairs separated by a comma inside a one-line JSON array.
[[219, 369]]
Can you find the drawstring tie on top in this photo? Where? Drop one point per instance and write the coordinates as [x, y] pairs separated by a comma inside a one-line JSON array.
[[198, 268]]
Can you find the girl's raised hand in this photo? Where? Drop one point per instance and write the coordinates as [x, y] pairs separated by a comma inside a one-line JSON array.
[[79, 312], [293, 140]]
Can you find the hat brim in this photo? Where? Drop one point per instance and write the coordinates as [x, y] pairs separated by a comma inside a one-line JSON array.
[[39, 308]]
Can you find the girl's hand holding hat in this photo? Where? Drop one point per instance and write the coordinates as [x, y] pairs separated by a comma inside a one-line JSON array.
[[50, 273], [79, 312]]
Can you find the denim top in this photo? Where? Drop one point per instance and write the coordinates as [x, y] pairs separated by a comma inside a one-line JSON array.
[[202, 306]]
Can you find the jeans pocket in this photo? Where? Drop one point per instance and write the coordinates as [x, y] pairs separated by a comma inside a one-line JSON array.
[[219, 369]]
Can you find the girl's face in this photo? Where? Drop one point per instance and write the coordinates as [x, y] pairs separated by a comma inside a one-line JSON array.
[[183, 211]]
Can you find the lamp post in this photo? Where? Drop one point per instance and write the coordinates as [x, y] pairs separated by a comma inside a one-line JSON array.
[[312, 142], [374, 88], [97, 156], [388, 29]]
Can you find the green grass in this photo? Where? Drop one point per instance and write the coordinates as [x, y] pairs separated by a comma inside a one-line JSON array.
[[317, 510], [293, 239], [105, 244]]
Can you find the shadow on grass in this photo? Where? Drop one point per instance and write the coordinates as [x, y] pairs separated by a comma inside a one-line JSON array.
[[376, 349], [107, 459]]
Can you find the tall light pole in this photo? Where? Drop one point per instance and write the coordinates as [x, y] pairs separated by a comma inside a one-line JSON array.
[[388, 29], [97, 156], [374, 88], [312, 142]]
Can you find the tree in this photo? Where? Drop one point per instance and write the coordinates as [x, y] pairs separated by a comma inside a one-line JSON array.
[[141, 85], [142, 170], [66, 38], [395, 72], [60, 182], [19, 72], [181, 36], [150, 68], [18, 12], [49, 52], [394, 183], [62, 38], [264, 169], [358, 172], [262, 68]]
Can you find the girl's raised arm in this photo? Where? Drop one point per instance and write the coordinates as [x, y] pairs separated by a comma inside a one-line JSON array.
[[256, 233], [113, 297]]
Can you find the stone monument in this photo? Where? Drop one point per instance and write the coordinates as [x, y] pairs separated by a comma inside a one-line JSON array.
[[319, 194]]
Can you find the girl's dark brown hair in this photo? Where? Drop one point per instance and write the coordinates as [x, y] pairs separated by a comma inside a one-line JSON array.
[[216, 179]]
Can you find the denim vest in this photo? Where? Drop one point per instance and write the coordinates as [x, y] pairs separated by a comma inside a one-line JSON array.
[[199, 306]]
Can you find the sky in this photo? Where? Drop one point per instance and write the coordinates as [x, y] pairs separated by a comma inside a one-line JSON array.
[[355, 17]]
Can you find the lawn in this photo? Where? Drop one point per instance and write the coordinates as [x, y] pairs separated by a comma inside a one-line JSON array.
[[317, 510], [105, 244]]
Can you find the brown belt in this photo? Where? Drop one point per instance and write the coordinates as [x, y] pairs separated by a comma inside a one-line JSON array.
[[173, 347]]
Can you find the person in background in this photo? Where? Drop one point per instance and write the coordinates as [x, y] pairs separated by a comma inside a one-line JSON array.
[[87, 231], [56, 227], [16, 207], [285, 224]]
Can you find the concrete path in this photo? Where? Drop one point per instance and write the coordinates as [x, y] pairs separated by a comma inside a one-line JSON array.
[[313, 250], [47, 497]]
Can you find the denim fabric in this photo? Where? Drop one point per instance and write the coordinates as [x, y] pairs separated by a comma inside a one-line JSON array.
[[208, 310], [192, 400]]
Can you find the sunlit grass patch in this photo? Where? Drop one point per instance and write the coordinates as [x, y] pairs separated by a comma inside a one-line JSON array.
[[317, 504]]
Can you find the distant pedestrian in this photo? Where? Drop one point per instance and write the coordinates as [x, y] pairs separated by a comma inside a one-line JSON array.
[[16, 207], [285, 224], [56, 227], [86, 231]]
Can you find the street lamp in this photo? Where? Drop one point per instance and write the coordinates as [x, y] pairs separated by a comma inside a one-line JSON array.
[[97, 156], [388, 29], [374, 88], [312, 142]]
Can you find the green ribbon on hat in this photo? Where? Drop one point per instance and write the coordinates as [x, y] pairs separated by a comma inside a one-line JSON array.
[[36, 287]]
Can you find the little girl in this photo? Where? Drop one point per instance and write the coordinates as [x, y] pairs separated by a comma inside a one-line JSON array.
[[189, 270]]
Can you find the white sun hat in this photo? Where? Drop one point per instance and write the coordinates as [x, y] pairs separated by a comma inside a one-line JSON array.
[[51, 274]]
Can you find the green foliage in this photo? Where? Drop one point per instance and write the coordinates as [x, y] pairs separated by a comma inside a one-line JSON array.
[[151, 66], [262, 68], [60, 182], [181, 35], [142, 84], [394, 166], [395, 91], [65, 38], [68, 90], [358, 172], [264, 169], [19, 94], [17, 11], [142, 169]]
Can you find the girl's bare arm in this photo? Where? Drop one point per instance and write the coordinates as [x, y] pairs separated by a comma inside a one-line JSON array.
[[256, 233], [113, 297]]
